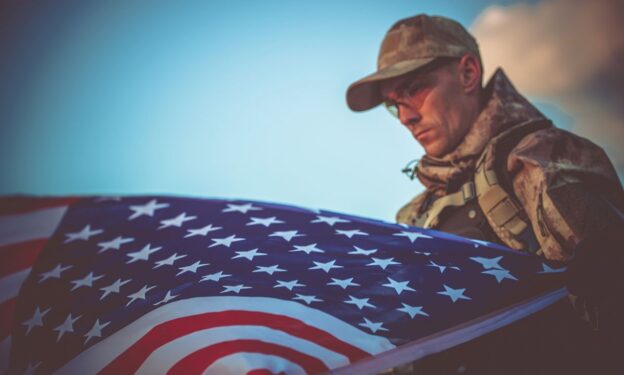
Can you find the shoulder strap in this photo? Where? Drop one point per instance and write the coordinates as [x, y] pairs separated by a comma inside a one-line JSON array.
[[494, 189], [432, 216]]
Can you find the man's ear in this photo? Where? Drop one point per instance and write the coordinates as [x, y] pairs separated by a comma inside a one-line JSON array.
[[470, 73]]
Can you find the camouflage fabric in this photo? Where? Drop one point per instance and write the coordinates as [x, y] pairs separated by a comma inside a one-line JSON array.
[[556, 175]]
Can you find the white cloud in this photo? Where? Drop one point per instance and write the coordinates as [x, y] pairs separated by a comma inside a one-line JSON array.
[[570, 52]]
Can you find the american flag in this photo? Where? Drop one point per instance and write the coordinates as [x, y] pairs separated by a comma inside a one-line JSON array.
[[159, 284]]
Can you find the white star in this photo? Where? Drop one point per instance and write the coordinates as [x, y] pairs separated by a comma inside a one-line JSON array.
[[214, 276], [324, 266], [140, 294], [343, 283], [113, 288], [547, 269], [191, 268], [234, 288], [398, 287], [359, 251], [359, 302], [96, 330], [478, 243], [454, 294], [114, 244], [36, 320], [287, 235], [287, 284], [331, 220], [54, 273], [351, 233], [488, 263], [267, 221], [169, 261], [168, 297], [147, 209], [423, 253], [201, 231], [249, 254], [85, 281], [227, 241], [269, 270], [383, 263], [307, 299], [67, 326], [315, 210], [240, 208], [434, 264], [412, 310], [142, 254], [176, 221], [307, 249], [83, 235], [413, 236], [500, 274], [372, 326]]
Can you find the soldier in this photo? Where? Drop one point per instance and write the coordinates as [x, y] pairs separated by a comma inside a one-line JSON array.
[[497, 169]]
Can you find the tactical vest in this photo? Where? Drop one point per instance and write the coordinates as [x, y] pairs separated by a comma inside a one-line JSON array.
[[485, 207]]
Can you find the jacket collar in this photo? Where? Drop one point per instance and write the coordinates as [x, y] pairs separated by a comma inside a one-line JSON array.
[[504, 107]]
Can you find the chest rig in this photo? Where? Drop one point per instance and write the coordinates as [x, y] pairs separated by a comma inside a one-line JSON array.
[[484, 206]]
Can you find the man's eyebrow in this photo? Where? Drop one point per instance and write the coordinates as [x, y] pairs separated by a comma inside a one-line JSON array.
[[417, 80], [398, 91]]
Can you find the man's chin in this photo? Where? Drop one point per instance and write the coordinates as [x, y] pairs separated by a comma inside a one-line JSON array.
[[432, 146], [432, 151]]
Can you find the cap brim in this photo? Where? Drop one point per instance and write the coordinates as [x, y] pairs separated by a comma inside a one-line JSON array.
[[365, 94]]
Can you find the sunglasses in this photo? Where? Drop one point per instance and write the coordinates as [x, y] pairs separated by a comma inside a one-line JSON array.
[[414, 82]]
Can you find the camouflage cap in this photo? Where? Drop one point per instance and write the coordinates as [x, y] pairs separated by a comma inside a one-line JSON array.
[[411, 44]]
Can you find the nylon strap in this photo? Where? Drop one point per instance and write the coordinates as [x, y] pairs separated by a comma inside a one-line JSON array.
[[499, 206], [465, 194]]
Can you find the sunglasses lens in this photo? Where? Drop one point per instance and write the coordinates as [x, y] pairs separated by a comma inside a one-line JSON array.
[[394, 111]]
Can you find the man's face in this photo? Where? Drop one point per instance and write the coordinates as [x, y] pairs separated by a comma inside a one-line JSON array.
[[433, 106]]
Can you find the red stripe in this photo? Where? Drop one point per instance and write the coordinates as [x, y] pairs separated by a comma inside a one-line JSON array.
[[18, 257], [20, 205], [197, 362], [131, 359], [7, 308]]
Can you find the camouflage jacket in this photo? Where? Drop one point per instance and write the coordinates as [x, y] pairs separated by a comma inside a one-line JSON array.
[[556, 176]]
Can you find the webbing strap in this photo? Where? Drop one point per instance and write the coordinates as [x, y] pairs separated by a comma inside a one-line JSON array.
[[501, 207], [466, 193], [498, 205]]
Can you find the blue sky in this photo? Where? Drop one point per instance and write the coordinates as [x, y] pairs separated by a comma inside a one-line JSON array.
[[233, 99]]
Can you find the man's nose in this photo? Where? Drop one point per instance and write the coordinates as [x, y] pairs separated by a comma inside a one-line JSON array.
[[409, 116]]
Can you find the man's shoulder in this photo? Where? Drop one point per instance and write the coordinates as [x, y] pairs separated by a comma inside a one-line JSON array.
[[554, 134], [408, 212], [555, 145], [555, 158]]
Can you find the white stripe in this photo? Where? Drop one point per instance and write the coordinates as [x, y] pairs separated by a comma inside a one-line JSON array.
[[241, 363], [30, 226], [95, 358], [5, 351], [168, 355], [11, 284], [452, 337]]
